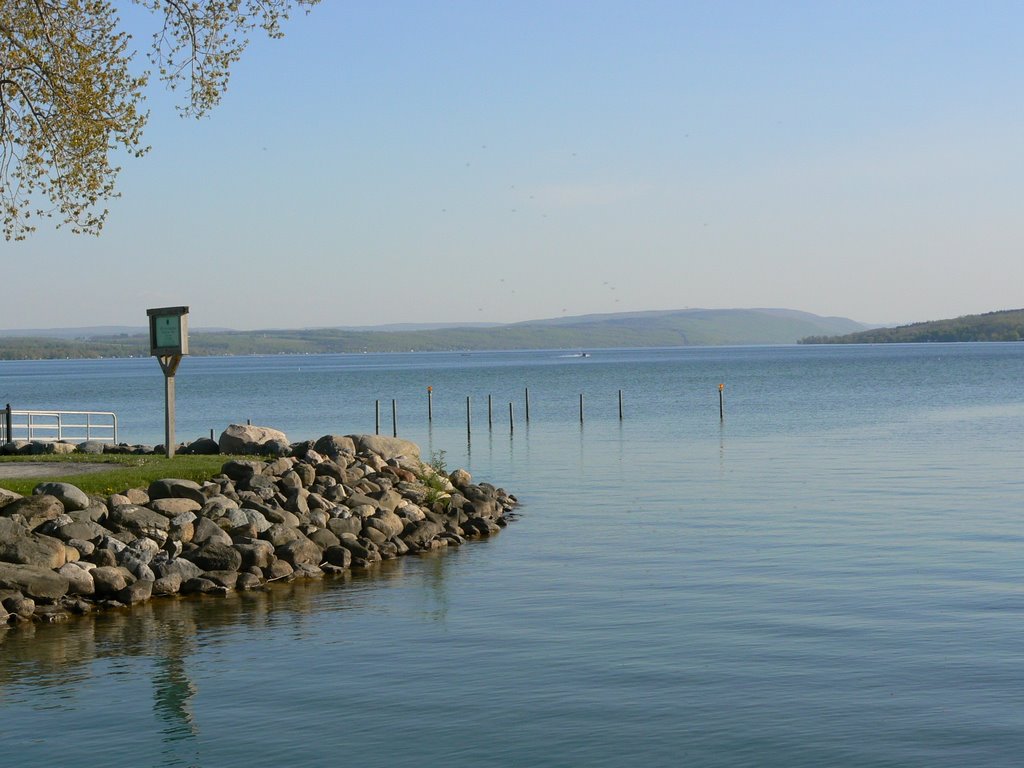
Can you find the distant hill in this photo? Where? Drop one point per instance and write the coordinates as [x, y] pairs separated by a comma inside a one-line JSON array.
[[1005, 325], [670, 328]]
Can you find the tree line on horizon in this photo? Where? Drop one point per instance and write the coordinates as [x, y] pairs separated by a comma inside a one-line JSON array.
[[1003, 325]]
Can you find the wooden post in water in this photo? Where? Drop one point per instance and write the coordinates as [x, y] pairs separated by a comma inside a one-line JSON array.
[[430, 403], [469, 419], [511, 420], [620, 405], [527, 405], [376, 417], [394, 419], [490, 423], [581, 407], [721, 401]]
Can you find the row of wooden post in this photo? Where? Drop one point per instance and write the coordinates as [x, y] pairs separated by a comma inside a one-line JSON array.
[[511, 411]]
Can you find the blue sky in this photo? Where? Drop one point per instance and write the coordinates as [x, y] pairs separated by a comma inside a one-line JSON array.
[[505, 161]]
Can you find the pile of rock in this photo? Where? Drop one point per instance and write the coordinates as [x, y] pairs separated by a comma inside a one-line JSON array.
[[337, 503]]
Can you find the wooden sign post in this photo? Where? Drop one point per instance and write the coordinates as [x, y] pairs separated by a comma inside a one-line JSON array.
[[168, 342]]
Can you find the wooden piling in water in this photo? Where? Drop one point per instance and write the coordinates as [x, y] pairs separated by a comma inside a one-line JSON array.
[[620, 405], [581, 407], [721, 401], [394, 419], [469, 417], [490, 423], [376, 417], [527, 405], [511, 420], [430, 403]]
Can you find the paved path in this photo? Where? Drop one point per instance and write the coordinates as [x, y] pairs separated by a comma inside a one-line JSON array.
[[47, 468]]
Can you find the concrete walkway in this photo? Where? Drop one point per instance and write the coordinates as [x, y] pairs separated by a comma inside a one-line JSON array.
[[21, 469]]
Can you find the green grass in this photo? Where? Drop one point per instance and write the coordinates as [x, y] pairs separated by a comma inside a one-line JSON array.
[[126, 471]]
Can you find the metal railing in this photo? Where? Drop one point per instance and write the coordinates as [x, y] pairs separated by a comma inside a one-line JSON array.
[[66, 426]]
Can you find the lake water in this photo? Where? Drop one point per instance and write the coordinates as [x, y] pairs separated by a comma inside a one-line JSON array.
[[831, 575]]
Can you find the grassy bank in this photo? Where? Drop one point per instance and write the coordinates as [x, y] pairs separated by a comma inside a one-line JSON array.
[[123, 471]]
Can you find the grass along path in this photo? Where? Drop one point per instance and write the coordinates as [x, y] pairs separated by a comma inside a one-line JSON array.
[[108, 473]]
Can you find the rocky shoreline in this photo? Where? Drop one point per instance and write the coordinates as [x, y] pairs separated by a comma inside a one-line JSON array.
[[307, 510]]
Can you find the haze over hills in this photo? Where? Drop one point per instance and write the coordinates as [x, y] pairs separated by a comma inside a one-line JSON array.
[[666, 328]]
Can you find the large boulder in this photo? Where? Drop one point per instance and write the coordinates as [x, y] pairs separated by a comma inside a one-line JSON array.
[[34, 549], [216, 557], [6, 497], [35, 509], [37, 583], [248, 439], [386, 447], [333, 446], [80, 581], [140, 521], [175, 488]]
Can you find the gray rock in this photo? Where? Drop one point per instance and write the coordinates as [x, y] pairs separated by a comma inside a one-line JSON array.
[[140, 521], [38, 583], [204, 446], [279, 569], [167, 585], [334, 446], [180, 567], [279, 534], [175, 488], [95, 513], [6, 497], [240, 469], [173, 507], [35, 509], [338, 556], [418, 535], [216, 557], [242, 439], [201, 586], [92, 447], [386, 447], [256, 553], [300, 551], [137, 592], [20, 606], [323, 538], [460, 478], [248, 581], [84, 531], [43, 447], [207, 531], [226, 579], [109, 580], [342, 525], [80, 581], [34, 549], [275, 447], [388, 523]]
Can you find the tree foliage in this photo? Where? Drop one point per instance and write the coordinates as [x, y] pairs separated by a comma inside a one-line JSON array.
[[1004, 325], [72, 89]]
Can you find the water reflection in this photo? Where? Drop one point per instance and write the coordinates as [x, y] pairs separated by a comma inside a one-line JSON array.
[[164, 644]]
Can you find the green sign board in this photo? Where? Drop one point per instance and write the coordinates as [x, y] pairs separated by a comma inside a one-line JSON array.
[[168, 331]]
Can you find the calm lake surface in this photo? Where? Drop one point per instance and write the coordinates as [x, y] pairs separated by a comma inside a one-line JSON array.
[[831, 575]]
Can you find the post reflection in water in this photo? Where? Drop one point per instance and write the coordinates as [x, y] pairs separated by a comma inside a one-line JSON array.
[[169, 647]]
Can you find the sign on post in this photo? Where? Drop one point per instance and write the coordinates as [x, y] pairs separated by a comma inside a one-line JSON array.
[[168, 341]]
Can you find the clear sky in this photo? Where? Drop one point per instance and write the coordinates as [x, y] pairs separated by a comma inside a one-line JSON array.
[[504, 161]]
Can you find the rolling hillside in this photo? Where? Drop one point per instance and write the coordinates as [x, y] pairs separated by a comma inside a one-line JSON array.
[[690, 327]]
